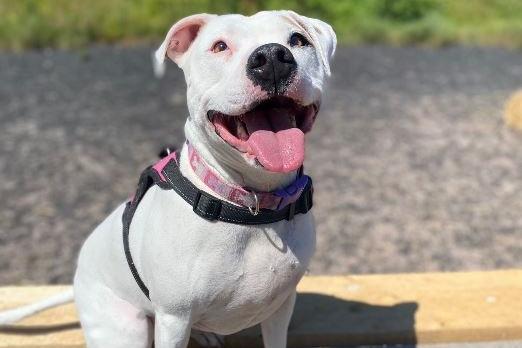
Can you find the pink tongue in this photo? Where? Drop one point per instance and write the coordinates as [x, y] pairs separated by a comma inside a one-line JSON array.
[[275, 142], [278, 152]]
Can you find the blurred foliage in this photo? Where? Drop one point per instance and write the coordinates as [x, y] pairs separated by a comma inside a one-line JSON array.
[[75, 23], [405, 10]]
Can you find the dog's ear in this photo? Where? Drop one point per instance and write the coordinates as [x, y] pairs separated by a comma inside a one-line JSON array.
[[321, 34], [327, 37], [179, 39]]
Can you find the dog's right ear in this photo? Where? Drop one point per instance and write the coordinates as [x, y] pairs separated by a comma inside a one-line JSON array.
[[178, 40]]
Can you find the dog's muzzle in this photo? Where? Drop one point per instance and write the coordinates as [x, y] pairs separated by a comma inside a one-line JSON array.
[[272, 67]]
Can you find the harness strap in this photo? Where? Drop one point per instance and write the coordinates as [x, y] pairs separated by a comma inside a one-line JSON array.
[[146, 181], [166, 175]]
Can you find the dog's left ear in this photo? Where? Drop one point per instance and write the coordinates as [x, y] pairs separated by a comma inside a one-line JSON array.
[[322, 35], [178, 40]]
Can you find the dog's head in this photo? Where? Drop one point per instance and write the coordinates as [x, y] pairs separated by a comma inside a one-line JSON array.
[[254, 84]]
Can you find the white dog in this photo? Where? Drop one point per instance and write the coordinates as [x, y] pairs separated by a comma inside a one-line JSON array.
[[228, 261]]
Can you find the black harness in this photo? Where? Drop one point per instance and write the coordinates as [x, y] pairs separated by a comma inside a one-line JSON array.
[[203, 204]]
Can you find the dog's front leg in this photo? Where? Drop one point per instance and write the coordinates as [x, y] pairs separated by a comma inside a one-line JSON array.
[[275, 328], [171, 331]]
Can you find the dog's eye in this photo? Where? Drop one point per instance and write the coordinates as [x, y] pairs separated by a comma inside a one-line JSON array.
[[297, 39], [219, 46]]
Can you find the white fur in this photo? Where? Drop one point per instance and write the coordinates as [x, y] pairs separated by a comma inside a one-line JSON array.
[[209, 276]]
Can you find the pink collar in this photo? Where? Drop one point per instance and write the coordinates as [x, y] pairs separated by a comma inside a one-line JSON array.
[[274, 200]]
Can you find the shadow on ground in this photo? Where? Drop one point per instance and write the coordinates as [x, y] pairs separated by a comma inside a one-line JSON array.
[[32, 330], [320, 321]]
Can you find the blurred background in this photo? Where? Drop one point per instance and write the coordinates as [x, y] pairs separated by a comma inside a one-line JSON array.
[[416, 155]]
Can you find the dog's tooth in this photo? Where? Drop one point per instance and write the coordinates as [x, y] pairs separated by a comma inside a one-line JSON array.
[[291, 117], [242, 133]]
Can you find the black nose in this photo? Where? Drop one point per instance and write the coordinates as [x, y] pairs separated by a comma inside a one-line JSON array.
[[271, 67]]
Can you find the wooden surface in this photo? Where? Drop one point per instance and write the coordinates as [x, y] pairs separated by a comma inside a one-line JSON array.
[[57, 327], [340, 310], [513, 111]]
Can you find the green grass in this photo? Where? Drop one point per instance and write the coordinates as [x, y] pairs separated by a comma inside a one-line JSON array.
[[76, 23]]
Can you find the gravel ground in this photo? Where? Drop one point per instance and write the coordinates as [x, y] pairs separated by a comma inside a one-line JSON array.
[[414, 170]]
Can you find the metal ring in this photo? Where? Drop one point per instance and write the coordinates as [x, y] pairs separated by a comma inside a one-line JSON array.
[[256, 210], [168, 150]]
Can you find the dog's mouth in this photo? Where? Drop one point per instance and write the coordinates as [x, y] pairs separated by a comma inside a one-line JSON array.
[[272, 132]]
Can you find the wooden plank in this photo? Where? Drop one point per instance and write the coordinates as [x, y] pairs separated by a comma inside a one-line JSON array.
[[57, 327], [341, 310], [404, 308]]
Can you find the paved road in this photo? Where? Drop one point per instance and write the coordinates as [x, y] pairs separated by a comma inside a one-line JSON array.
[[413, 167]]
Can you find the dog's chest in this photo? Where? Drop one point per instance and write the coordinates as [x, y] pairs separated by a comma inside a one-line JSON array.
[[260, 275], [231, 276]]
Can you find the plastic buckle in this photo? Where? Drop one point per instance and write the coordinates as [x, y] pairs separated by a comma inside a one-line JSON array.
[[206, 206]]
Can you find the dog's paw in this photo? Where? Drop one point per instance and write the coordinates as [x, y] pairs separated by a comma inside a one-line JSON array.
[[208, 339]]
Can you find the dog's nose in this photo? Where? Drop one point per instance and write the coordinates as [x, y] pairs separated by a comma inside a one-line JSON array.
[[271, 67]]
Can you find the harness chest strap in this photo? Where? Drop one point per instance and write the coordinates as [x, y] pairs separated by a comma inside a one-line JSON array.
[[166, 174]]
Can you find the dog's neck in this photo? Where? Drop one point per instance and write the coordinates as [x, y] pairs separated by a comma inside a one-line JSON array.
[[253, 178]]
